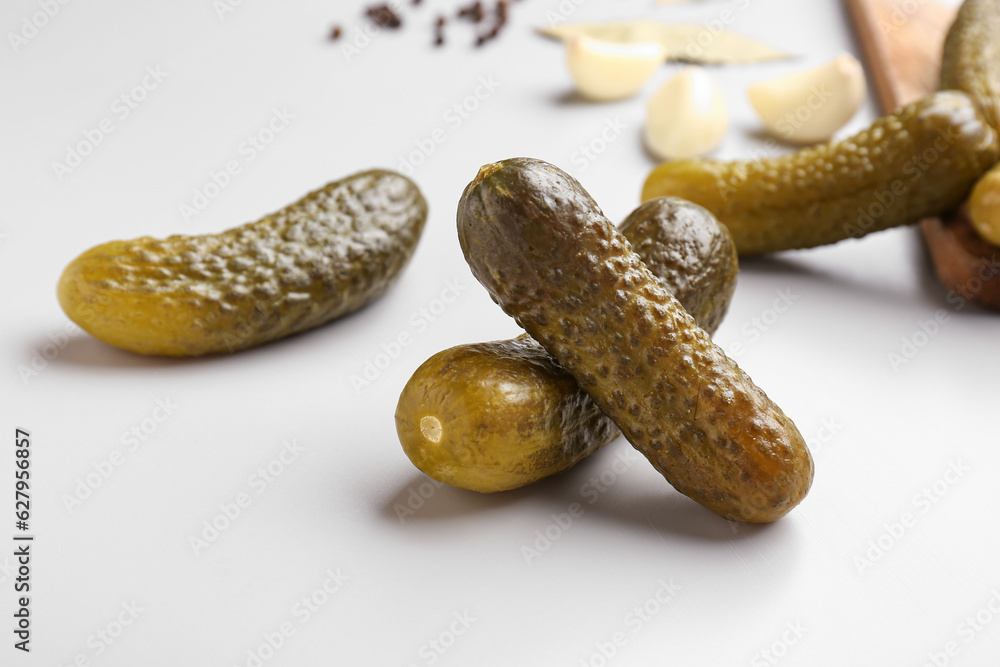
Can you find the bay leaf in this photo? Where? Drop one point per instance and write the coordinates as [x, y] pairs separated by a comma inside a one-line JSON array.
[[683, 41]]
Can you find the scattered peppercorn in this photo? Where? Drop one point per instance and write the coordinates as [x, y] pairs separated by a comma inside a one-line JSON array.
[[501, 20], [384, 16], [473, 12], [439, 30]]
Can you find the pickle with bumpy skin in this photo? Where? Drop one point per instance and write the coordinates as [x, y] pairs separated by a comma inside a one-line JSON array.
[[328, 254], [971, 58], [690, 252], [497, 416], [546, 253], [917, 162]]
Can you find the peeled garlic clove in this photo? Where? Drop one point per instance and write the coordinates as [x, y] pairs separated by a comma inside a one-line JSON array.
[[686, 117], [809, 107], [603, 71]]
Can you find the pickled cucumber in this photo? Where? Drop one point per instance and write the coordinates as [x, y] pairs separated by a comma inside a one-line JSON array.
[[971, 58], [691, 254], [498, 416], [917, 162], [329, 253], [547, 254]]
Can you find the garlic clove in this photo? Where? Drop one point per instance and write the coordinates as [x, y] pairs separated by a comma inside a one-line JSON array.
[[686, 117], [809, 107], [603, 71]]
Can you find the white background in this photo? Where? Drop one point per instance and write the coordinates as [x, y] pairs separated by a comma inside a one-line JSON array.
[[883, 437]]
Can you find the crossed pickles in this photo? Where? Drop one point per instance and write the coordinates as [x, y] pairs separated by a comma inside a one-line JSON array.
[[500, 415], [329, 253], [549, 257]]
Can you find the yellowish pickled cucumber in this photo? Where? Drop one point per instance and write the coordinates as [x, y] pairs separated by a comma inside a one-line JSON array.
[[984, 207], [547, 254], [971, 58], [917, 162], [498, 416], [328, 254]]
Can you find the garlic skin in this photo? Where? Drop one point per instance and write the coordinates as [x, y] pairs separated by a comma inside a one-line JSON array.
[[809, 107], [686, 117], [603, 71]]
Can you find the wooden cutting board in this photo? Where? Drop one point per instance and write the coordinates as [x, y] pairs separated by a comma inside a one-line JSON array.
[[902, 42]]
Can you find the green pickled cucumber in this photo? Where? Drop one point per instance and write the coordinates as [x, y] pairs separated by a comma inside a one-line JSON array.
[[328, 254], [917, 162], [691, 254], [547, 254], [971, 58], [497, 416]]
